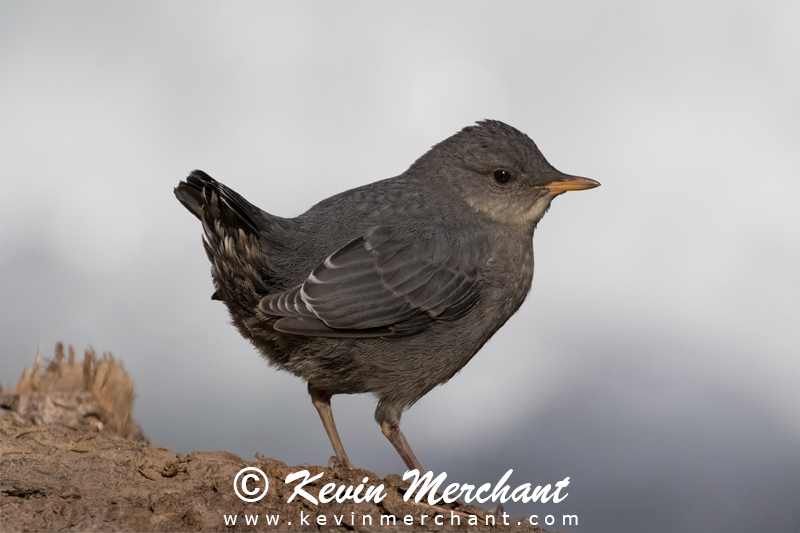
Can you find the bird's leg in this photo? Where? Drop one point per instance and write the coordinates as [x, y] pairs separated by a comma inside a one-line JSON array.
[[322, 401], [392, 431], [390, 426], [398, 440]]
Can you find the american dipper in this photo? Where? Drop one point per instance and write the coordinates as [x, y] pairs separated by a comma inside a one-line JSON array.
[[392, 287]]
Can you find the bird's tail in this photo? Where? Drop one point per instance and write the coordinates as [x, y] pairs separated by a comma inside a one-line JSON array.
[[209, 200], [239, 240]]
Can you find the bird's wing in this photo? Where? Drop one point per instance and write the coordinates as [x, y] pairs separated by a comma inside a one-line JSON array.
[[389, 282]]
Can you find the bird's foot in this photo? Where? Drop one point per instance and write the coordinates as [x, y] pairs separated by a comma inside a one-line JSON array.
[[497, 511], [334, 462], [443, 510]]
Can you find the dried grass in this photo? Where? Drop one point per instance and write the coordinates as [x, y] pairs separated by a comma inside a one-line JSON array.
[[97, 391]]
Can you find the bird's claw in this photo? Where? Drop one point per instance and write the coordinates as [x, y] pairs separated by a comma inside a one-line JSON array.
[[497, 511], [334, 462]]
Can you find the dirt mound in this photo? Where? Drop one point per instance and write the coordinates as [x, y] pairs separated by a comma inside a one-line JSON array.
[[73, 459]]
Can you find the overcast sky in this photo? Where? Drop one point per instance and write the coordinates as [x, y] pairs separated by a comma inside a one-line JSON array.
[[655, 361]]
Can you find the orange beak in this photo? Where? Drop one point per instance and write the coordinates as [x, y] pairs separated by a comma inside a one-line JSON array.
[[571, 183]]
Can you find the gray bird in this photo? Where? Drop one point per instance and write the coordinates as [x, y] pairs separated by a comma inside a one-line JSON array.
[[392, 287]]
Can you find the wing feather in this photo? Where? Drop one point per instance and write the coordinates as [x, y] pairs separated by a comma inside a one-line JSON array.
[[387, 283]]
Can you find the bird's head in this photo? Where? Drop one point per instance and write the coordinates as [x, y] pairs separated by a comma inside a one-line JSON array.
[[499, 172]]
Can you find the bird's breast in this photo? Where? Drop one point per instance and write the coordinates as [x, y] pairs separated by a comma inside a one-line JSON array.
[[508, 277]]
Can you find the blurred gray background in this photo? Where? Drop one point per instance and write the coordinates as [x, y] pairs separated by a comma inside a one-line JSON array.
[[655, 361]]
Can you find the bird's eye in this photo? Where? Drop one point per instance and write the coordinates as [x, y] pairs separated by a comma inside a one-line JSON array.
[[502, 176]]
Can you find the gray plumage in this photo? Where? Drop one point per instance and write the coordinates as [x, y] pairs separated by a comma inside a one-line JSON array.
[[390, 288]]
